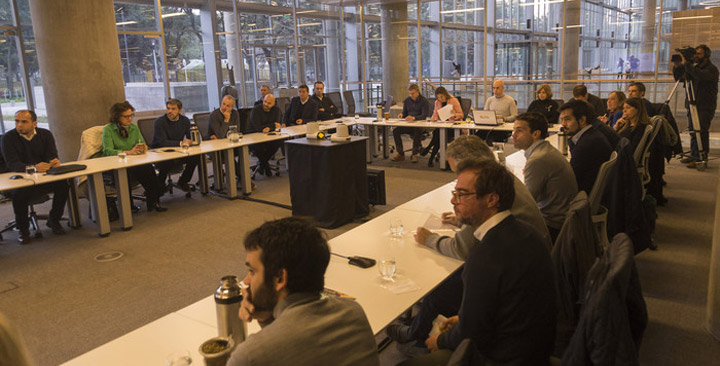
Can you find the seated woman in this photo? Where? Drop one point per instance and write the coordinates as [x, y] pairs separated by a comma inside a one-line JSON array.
[[631, 124], [545, 105], [614, 111], [442, 98], [120, 135]]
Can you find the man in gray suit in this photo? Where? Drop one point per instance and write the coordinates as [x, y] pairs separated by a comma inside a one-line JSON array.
[[286, 262], [548, 175]]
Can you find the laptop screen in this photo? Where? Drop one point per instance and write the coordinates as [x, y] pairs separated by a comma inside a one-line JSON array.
[[486, 118]]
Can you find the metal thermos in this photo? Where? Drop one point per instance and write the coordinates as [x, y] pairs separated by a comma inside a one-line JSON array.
[[195, 136], [380, 112], [563, 142], [227, 304]]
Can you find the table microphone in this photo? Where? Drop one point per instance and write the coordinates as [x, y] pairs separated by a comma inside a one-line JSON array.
[[362, 262]]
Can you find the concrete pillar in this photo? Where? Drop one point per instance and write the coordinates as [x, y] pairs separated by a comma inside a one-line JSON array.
[[479, 54], [395, 58], [490, 19], [213, 70], [352, 50], [713, 302], [79, 57], [571, 49], [233, 56], [647, 47], [435, 60], [682, 5], [332, 55]]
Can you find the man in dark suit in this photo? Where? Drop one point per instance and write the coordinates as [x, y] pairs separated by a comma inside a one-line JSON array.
[[580, 92], [302, 109], [171, 130], [326, 107], [508, 304], [588, 147], [637, 89]]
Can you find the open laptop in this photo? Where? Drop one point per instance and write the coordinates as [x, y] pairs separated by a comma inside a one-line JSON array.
[[485, 118]]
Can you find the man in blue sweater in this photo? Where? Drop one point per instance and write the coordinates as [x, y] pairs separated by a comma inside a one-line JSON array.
[[26, 145], [415, 107], [171, 130], [508, 306]]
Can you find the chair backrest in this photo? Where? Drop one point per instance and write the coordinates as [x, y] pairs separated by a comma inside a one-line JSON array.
[[282, 103], [601, 182], [337, 100], [147, 129], [349, 101], [465, 104], [642, 146], [202, 120], [244, 119]]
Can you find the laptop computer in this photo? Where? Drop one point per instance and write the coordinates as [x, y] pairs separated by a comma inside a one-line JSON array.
[[485, 118]]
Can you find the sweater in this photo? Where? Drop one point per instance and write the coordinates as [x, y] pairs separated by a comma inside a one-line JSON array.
[[329, 109], [218, 126], [547, 107], [420, 108], [504, 106], [259, 119], [457, 109], [18, 152], [170, 133], [113, 143]]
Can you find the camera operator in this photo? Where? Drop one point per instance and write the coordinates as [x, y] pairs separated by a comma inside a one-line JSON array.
[[704, 77]]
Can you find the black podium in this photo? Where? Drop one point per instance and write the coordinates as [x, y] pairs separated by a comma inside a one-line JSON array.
[[328, 180]]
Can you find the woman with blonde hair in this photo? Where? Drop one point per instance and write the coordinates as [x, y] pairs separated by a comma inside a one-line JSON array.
[[12, 347], [615, 103], [545, 105], [633, 121]]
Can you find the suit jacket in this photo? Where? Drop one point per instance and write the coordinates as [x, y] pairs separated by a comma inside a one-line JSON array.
[[308, 330], [591, 151], [307, 112], [551, 181], [330, 110]]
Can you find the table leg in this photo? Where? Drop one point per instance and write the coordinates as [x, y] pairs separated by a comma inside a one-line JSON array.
[[244, 172], [230, 174], [73, 206], [217, 172], [386, 133], [369, 131], [124, 198], [443, 141], [203, 174], [98, 203]]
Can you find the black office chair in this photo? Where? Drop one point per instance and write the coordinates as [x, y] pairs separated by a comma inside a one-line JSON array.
[[465, 104], [350, 101], [37, 199], [337, 100], [282, 103]]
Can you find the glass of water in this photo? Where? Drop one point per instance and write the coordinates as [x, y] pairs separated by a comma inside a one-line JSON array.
[[30, 170], [185, 146], [181, 358], [396, 227], [357, 118], [387, 267], [122, 157]]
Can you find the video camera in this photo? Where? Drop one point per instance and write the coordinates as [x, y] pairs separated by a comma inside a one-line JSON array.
[[687, 52]]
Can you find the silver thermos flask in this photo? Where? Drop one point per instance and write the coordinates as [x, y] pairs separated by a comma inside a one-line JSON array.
[[563, 141], [195, 136], [227, 304]]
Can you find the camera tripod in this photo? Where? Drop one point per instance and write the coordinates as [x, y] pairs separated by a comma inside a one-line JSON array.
[[694, 120]]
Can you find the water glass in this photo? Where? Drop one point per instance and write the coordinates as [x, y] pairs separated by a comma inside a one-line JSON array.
[[357, 118], [387, 268], [184, 146], [122, 157], [396, 227], [30, 170], [181, 358]]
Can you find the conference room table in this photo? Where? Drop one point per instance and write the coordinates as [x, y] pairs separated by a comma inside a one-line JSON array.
[[419, 270]]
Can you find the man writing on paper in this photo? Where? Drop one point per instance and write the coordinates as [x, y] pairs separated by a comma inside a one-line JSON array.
[[286, 262], [415, 107]]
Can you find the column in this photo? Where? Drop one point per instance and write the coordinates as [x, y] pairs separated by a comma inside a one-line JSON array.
[[332, 55], [213, 67], [79, 58], [395, 58], [231, 45], [647, 48], [571, 45]]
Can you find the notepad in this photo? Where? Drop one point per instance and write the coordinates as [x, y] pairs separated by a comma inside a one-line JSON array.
[[445, 112]]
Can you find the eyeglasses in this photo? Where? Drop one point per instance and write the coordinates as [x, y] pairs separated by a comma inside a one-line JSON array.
[[128, 115], [459, 195]]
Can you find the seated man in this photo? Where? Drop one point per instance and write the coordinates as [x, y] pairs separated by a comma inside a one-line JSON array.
[[589, 149], [503, 104], [264, 90], [415, 107], [171, 130], [27, 144], [508, 302], [222, 118], [548, 175], [326, 107], [286, 262], [580, 92], [302, 109], [446, 298], [637, 89], [265, 118]]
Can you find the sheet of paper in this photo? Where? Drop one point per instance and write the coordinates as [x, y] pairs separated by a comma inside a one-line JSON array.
[[445, 112], [434, 223]]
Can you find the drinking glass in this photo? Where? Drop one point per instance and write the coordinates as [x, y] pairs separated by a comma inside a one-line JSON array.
[[387, 116], [184, 146], [30, 170], [122, 157], [396, 227], [387, 268], [357, 118], [499, 150], [181, 358]]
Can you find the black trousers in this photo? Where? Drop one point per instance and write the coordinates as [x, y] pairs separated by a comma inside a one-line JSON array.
[[705, 116], [145, 174], [21, 198], [444, 299], [164, 168], [416, 134], [265, 151]]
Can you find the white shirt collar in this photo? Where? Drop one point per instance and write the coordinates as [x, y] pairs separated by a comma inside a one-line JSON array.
[[490, 223], [575, 138], [532, 147], [29, 138], [306, 100]]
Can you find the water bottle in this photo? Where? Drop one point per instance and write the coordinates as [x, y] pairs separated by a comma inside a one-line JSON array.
[[227, 304]]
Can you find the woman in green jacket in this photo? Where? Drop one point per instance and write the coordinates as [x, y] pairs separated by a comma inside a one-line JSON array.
[[121, 136]]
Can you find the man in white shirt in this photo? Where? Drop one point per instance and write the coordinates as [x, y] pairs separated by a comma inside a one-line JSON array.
[[503, 104]]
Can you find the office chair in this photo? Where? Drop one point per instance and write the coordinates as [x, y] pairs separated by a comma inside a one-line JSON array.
[[32, 215]]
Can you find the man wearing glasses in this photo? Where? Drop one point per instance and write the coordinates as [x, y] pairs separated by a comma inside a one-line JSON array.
[[30, 145]]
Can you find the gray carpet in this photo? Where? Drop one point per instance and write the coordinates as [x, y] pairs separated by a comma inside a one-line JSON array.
[[66, 303]]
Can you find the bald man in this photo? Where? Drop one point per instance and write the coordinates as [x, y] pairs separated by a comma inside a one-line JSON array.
[[503, 104], [265, 118]]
